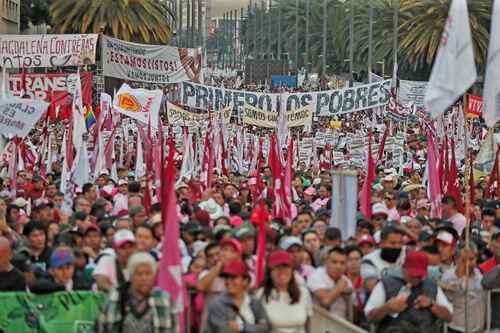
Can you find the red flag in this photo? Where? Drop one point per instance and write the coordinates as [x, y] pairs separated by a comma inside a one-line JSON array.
[[288, 172], [453, 188], [170, 273], [281, 208], [472, 192], [258, 181], [365, 200], [146, 192], [494, 176], [260, 218], [381, 148], [207, 166], [433, 178]]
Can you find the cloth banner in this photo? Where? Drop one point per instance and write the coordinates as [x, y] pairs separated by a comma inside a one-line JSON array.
[[324, 103], [30, 51], [176, 115], [150, 63], [71, 312], [474, 106], [140, 104], [52, 88], [18, 116], [344, 202], [412, 92], [261, 118]]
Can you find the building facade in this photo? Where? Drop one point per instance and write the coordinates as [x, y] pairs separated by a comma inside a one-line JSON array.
[[10, 16]]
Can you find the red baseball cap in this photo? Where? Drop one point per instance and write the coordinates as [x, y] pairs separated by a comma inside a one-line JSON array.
[[366, 239], [235, 268], [416, 263], [234, 243], [279, 258]]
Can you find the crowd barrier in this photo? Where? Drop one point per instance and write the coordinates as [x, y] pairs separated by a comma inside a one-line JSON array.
[[325, 322]]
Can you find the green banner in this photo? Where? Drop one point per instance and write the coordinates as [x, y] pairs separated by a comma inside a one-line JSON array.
[[71, 312]]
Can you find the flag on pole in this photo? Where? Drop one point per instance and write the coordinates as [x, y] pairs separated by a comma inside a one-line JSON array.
[[454, 70], [365, 204], [433, 178], [491, 92], [89, 115]]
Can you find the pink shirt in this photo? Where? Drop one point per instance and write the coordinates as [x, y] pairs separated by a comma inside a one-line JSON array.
[[459, 222]]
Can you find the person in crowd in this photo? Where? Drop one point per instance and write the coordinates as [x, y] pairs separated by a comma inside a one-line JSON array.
[[451, 214], [384, 260], [329, 285], [312, 244], [288, 305], [61, 274], [366, 244], [137, 305], [111, 271], [353, 272], [11, 278], [410, 302], [293, 245], [446, 240], [235, 310], [454, 284], [491, 280], [36, 234], [301, 223]]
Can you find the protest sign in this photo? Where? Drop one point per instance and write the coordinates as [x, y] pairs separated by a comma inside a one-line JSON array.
[[266, 119], [140, 104], [412, 92], [18, 116], [474, 106], [178, 116], [150, 63], [324, 103], [72, 312], [30, 51]]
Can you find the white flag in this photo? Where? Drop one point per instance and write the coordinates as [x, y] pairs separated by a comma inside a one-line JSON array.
[[492, 78], [454, 70]]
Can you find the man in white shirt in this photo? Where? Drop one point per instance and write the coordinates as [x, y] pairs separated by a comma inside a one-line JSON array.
[[329, 285], [410, 302], [450, 213], [111, 271]]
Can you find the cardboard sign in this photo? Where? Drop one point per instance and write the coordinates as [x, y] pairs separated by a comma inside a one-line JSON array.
[[18, 116]]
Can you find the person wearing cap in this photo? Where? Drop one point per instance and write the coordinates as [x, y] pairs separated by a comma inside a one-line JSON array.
[[379, 215], [329, 285], [293, 245], [386, 259], [409, 302], [111, 271], [138, 306], [11, 278], [423, 208], [446, 241], [61, 274], [246, 235], [491, 279], [235, 310], [453, 281], [366, 244], [389, 182], [288, 305], [450, 213]]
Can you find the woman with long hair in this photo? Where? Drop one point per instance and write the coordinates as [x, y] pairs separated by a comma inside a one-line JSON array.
[[288, 306]]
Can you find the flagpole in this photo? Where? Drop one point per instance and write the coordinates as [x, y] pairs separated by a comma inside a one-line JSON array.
[[467, 210]]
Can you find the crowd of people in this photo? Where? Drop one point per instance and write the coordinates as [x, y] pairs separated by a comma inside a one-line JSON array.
[[402, 271]]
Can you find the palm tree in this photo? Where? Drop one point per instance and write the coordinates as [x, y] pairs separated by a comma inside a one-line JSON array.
[[424, 24], [132, 20]]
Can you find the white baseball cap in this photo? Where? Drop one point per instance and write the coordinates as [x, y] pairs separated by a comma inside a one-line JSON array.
[[122, 237], [379, 208]]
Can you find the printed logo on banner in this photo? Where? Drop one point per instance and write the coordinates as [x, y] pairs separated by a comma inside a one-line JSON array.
[[128, 102]]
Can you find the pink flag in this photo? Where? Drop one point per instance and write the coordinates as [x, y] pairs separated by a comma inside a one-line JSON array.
[[281, 207], [381, 148], [433, 178], [365, 204], [170, 273]]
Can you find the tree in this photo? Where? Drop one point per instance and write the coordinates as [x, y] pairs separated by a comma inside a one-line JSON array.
[[132, 20], [34, 12]]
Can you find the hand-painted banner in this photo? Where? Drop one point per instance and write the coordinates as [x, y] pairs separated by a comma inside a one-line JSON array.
[[140, 104], [260, 118], [72, 312], [324, 103], [474, 106], [29, 51], [176, 115], [150, 63], [18, 116], [412, 92]]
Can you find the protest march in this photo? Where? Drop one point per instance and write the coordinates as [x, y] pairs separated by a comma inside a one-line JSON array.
[[190, 199]]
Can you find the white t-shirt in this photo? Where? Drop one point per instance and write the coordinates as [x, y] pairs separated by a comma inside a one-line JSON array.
[[320, 279], [285, 317], [107, 267], [378, 298]]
